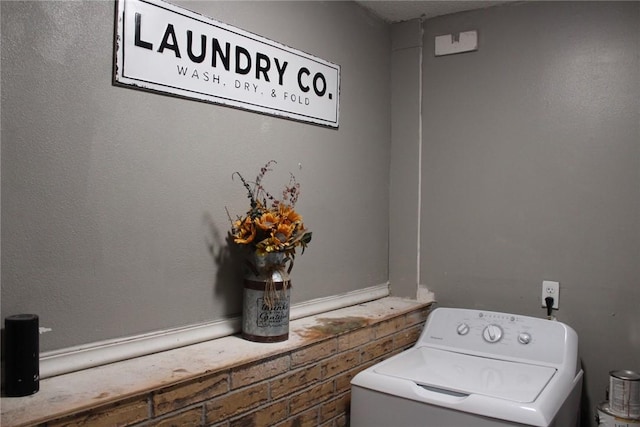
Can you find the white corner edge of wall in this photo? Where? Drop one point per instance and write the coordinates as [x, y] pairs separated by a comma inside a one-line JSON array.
[[77, 358]]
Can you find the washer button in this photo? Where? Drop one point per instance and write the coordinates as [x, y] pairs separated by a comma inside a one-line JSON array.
[[524, 338], [492, 333], [463, 329]]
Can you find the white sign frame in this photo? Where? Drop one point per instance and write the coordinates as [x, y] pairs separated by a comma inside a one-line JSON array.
[[168, 49]]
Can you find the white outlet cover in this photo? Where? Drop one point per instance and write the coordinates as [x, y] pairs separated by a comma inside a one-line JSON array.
[[551, 289]]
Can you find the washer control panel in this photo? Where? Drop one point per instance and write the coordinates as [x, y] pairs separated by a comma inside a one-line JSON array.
[[493, 331], [495, 334]]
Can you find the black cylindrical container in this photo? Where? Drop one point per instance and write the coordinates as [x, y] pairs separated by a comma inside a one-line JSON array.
[[22, 352]]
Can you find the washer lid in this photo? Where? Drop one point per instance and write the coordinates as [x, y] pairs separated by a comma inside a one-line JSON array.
[[466, 374]]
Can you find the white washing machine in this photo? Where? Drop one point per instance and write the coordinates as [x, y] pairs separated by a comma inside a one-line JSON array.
[[473, 368]]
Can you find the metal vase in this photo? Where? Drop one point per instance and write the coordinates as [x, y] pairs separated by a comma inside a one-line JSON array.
[[266, 299]]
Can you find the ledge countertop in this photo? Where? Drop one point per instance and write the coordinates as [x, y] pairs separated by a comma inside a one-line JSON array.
[[77, 391]]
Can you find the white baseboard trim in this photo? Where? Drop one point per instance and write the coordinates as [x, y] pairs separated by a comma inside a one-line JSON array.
[[77, 358]]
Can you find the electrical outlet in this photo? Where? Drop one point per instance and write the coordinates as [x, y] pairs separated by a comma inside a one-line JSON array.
[[551, 289]]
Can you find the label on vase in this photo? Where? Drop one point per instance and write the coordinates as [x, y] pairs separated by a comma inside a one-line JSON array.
[[276, 315]]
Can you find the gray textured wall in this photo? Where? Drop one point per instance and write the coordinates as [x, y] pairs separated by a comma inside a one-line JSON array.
[[111, 196], [531, 171]]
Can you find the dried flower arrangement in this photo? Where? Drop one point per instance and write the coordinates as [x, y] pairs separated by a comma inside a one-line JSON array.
[[270, 225]]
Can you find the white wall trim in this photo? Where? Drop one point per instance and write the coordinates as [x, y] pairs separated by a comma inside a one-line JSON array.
[[420, 143], [72, 359]]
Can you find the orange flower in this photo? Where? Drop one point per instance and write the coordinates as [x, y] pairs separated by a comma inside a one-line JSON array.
[[267, 221], [289, 215], [282, 233], [246, 231]]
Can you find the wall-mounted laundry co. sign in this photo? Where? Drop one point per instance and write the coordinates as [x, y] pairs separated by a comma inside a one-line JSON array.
[[165, 48]]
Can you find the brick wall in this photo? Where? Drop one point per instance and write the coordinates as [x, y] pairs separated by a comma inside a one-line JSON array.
[[304, 386]]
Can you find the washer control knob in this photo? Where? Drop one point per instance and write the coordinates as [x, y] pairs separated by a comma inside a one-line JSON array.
[[492, 333], [524, 338], [463, 329]]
